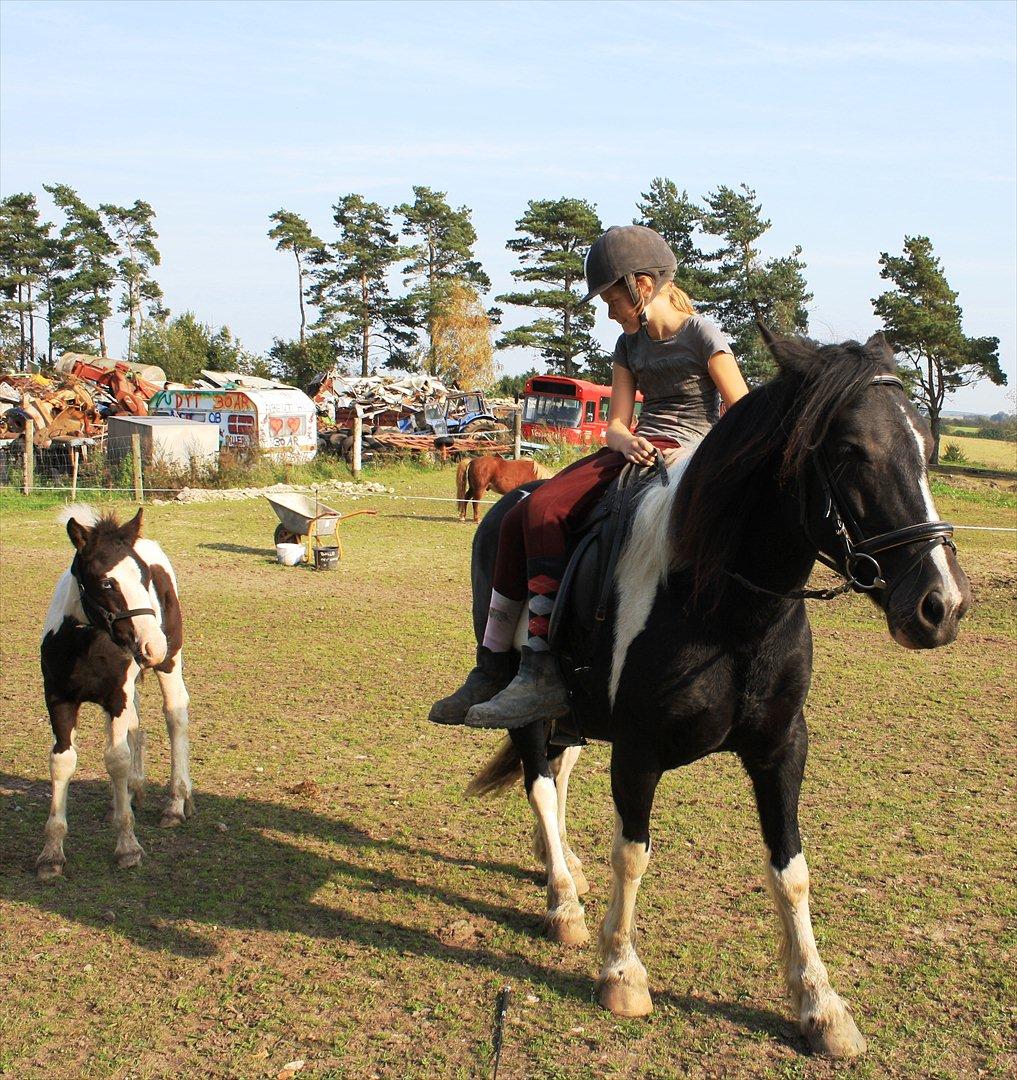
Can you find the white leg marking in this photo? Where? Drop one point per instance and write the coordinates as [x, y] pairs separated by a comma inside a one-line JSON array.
[[136, 741], [61, 769], [561, 770], [118, 757], [644, 565], [822, 1016], [180, 805], [623, 986], [564, 920]]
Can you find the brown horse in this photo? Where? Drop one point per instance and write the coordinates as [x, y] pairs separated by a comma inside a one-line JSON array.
[[475, 475]]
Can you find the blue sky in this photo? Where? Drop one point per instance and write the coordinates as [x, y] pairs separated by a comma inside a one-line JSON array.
[[856, 123]]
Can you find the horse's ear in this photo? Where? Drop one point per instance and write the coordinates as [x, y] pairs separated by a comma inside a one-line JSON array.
[[131, 530], [767, 335], [879, 346], [791, 353], [77, 532]]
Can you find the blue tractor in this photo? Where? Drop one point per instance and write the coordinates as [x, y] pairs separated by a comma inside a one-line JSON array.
[[459, 412]]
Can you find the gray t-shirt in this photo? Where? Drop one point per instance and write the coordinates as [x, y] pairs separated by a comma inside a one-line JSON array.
[[680, 400]]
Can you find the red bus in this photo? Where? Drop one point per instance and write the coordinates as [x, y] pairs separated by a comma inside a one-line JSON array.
[[568, 408]]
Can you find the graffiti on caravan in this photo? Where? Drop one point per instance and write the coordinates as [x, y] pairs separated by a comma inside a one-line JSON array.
[[277, 420]]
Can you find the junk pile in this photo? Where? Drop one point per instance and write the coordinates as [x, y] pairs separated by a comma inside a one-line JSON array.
[[396, 411], [73, 404]]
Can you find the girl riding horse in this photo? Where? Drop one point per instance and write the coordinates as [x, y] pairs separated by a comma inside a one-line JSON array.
[[683, 365]]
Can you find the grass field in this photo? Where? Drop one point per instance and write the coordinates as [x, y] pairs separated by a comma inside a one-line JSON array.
[[337, 900], [992, 453]]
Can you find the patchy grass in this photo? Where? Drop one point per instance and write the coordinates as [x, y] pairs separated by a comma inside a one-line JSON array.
[[337, 900]]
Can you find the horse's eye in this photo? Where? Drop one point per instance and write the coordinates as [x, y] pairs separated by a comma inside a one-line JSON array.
[[106, 583], [846, 451]]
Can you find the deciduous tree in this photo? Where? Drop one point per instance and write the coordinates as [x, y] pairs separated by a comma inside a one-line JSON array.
[[461, 348], [183, 346], [556, 234], [292, 233], [922, 321]]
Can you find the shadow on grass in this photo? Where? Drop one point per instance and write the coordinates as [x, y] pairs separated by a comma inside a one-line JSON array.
[[241, 549], [263, 873]]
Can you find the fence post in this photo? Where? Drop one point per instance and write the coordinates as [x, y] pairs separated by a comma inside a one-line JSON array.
[[358, 438], [75, 453], [29, 465], [517, 434], [139, 490]]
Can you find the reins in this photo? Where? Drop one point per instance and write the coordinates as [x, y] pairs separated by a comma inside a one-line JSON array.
[[95, 614], [858, 551]]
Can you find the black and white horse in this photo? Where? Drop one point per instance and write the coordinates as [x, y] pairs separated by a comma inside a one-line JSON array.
[[113, 616], [707, 647]]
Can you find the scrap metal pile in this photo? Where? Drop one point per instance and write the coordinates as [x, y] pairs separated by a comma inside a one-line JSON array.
[[72, 405]]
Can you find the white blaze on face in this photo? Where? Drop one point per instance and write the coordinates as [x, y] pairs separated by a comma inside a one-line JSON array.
[[147, 628], [952, 595]]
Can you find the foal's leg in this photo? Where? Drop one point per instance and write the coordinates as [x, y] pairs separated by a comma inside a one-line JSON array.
[[120, 730], [823, 1017], [476, 494], [564, 920], [175, 700], [63, 759], [622, 985], [136, 741], [561, 768]]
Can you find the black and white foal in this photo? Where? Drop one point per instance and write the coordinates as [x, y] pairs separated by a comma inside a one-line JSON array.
[[114, 615]]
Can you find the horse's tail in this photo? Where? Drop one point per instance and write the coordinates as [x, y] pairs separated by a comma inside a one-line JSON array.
[[462, 478], [541, 472], [500, 772], [82, 513]]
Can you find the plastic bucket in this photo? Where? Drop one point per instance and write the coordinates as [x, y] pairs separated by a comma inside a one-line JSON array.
[[290, 554], [326, 558]]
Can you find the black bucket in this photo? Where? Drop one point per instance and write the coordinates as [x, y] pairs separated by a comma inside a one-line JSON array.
[[326, 558]]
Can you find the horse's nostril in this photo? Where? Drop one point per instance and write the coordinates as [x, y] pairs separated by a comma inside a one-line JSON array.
[[933, 608]]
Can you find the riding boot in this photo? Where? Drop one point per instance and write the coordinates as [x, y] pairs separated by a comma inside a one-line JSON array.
[[536, 693], [494, 671]]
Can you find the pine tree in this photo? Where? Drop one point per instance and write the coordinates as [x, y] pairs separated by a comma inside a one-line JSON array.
[[745, 287], [677, 218], [556, 235], [22, 242], [91, 280], [922, 322], [350, 286], [442, 255], [132, 227], [292, 233]]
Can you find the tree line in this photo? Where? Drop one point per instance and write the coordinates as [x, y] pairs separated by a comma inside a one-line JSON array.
[[442, 319]]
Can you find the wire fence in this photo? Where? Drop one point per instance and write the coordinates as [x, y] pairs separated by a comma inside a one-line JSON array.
[[100, 464]]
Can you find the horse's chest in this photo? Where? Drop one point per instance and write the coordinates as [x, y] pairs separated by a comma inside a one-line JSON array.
[[79, 663]]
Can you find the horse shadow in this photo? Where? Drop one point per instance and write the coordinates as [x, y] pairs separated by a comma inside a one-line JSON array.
[[241, 549], [279, 859]]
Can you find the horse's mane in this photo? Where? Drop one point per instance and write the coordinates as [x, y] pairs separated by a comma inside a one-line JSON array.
[[770, 433]]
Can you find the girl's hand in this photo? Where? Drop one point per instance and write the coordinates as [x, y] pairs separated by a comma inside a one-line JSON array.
[[638, 450]]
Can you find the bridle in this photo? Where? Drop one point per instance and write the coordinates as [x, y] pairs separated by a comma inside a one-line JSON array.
[[859, 552], [95, 614]]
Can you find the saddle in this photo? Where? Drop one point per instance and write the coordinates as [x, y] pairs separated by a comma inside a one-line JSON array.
[[584, 595]]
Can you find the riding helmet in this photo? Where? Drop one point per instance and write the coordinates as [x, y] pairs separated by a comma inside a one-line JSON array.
[[624, 251]]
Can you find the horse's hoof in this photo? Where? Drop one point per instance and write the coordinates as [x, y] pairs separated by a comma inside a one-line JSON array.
[[567, 927], [128, 859], [624, 999], [171, 819], [49, 870], [837, 1037]]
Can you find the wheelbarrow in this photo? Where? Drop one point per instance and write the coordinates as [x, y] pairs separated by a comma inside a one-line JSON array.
[[303, 519]]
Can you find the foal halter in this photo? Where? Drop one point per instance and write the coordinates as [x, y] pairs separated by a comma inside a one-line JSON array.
[[95, 613], [859, 553]]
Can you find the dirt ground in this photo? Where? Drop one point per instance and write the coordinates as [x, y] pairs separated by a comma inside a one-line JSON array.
[[337, 901]]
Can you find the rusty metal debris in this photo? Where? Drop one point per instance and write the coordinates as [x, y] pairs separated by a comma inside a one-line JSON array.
[[73, 404]]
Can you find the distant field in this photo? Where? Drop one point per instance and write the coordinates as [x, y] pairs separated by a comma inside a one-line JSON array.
[[994, 453]]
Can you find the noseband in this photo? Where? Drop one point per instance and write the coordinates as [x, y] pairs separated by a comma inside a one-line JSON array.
[[95, 614], [859, 553]]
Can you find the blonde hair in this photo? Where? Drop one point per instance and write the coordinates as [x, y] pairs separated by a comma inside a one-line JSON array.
[[680, 299]]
